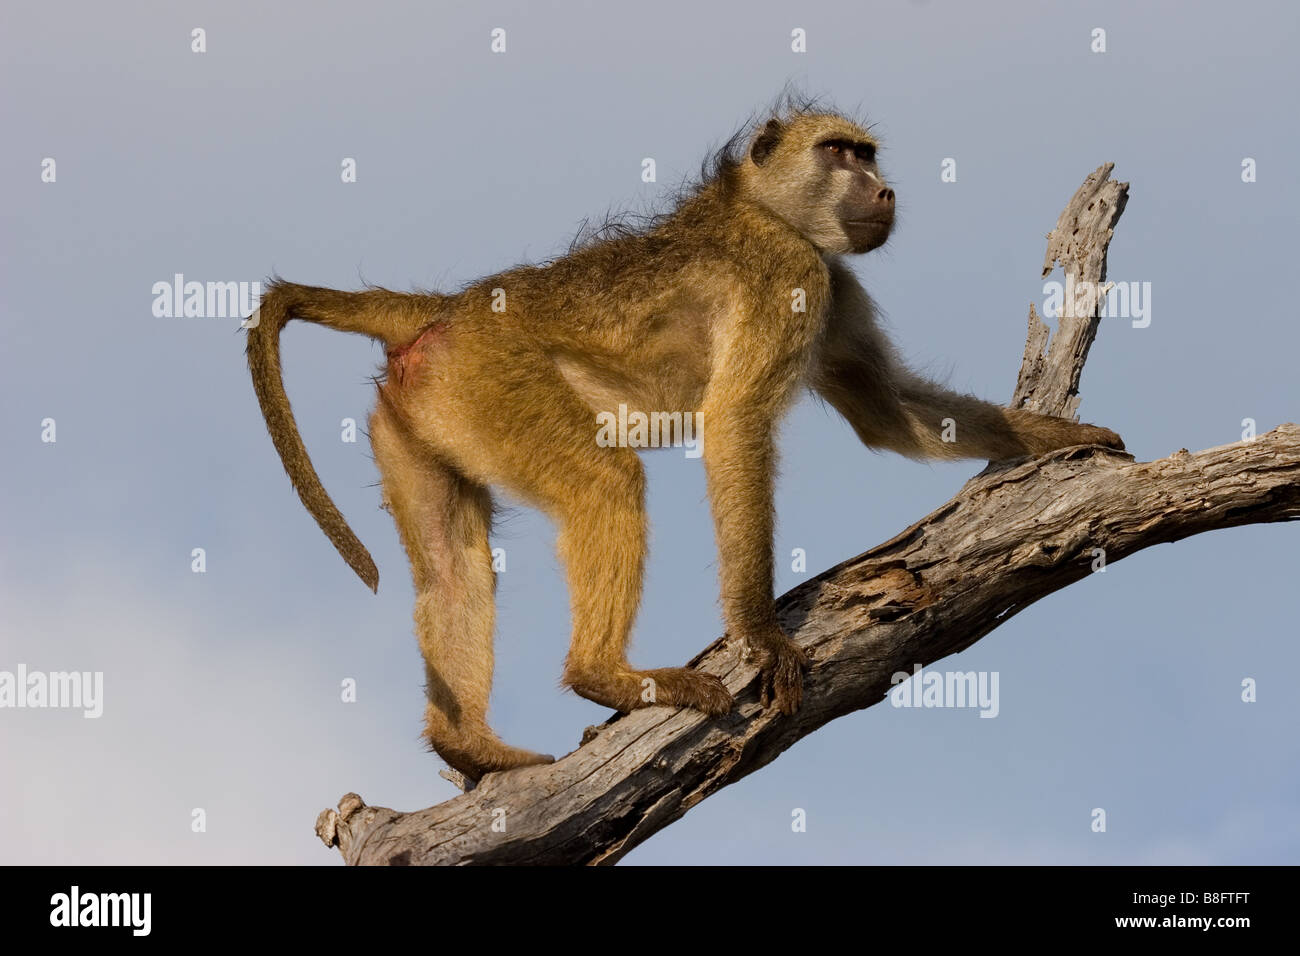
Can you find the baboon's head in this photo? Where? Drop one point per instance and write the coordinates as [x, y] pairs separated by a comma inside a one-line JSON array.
[[817, 171]]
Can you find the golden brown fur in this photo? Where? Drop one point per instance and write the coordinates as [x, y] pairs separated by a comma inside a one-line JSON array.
[[694, 313]]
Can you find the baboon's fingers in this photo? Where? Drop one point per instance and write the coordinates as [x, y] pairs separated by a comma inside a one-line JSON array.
[[781, 677], [1103, 436]]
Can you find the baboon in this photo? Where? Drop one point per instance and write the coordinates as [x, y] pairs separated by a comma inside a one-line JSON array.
[[724, 306]]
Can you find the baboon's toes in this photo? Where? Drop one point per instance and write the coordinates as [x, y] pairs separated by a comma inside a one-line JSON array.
[[527, 758], [488, 757], [683, 687], [512, 758]]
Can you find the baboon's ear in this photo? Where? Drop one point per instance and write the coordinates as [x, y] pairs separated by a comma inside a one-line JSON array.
[[765, 142]]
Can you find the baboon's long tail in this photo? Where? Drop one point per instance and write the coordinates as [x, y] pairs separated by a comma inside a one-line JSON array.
[[392, 318]]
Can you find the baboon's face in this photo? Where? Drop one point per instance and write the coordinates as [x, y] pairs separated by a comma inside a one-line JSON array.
[[819, 174]]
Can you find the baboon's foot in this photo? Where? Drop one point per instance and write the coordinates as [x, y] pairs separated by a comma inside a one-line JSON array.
[[685, 687], [480, 761], [477, 754], [781, 663], [670, 686]]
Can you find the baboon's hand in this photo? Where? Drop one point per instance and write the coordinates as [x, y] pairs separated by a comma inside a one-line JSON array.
[[781, 662], [1096, 435]]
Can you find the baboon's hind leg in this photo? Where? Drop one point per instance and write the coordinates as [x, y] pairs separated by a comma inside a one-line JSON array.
[[444, 519], [596, 496]]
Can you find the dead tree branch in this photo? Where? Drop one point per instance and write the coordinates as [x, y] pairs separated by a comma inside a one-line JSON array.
[[1015, 533], [1049, 380]]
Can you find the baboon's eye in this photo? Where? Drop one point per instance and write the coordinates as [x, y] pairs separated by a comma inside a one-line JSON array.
[[844, 148]]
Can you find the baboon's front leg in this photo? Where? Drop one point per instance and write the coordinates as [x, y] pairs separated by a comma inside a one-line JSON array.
[[602, 541], [857, 370], [945, 424], [740, 459]]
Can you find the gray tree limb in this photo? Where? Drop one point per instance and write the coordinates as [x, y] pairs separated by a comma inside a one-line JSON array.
[[1049, 379], [1015, 533]]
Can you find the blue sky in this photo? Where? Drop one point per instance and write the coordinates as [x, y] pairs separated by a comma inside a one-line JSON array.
[[222, 688]]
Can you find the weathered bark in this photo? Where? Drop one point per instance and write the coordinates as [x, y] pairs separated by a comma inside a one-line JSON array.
[[1014, 533]]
